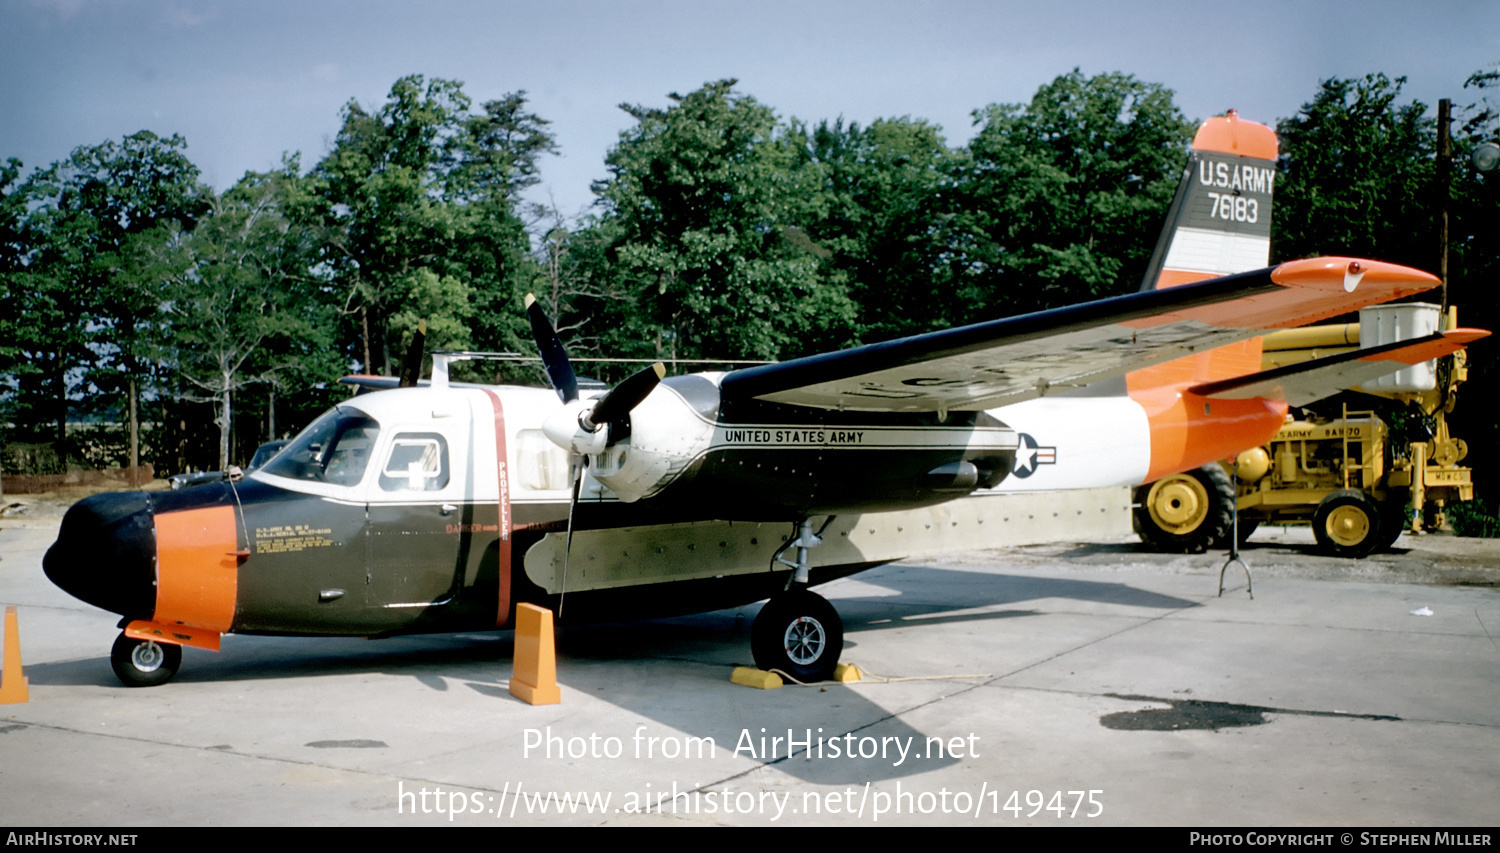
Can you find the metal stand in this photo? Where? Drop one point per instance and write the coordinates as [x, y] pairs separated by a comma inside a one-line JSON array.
[[1234, 535]]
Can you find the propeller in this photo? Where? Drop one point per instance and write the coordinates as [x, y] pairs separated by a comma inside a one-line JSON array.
[[554, 357], [582, 427]]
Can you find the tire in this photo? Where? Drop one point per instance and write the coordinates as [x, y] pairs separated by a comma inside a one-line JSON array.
[[144, 663], [1247, 527], [1186, 513], [1347, 523], [800, 634], [1393, 523]]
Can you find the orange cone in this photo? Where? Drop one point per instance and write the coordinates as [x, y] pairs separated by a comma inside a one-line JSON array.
[[535, 678], [12, 683]]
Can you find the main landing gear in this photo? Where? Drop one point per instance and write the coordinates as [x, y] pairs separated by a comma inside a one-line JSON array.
[[144, 663], [798, 632]]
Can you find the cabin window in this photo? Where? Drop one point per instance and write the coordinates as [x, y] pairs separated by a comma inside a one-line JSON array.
[[418, 463], [543, 465], [335, 449]]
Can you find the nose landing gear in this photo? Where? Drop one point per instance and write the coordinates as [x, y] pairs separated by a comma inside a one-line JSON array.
[[144, 663]]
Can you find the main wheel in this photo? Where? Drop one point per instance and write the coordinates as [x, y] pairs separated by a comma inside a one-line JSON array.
[[800, 634], [144, 663], [1186, 513], [1347, 523]]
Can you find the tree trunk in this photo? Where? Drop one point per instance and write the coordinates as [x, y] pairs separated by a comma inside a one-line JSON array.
[[135, 438], [61, 379], [223, 421], [364, 324]]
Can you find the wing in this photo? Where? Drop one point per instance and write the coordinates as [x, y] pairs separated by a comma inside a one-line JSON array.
[[1309, 381], [1006, 361]]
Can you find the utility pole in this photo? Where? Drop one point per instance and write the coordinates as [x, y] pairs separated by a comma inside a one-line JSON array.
[[1444, 173]]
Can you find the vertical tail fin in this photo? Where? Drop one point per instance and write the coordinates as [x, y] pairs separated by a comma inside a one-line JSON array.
[[1219, 224], [1220, 221]]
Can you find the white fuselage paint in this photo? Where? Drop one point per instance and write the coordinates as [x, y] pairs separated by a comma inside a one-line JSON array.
[[1076, 443], [1064, 443]]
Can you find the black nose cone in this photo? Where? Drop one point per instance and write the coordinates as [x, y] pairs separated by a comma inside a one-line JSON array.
[[105, 554]]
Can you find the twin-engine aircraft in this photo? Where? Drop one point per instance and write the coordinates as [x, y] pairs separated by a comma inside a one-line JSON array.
[[439, 506]]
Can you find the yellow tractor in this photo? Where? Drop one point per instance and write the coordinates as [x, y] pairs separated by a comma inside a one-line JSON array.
[[1359, 479]]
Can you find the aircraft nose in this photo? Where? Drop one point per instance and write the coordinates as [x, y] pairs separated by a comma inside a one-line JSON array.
[[105, 553]]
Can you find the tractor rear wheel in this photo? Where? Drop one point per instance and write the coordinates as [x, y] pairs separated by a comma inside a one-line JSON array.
[[1186, 513]]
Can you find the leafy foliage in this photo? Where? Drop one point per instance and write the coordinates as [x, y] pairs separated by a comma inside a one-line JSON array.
[[701, 208], [243, 305], [889, 231], [1357, 174], [422, 191], [87, 276], [1066, 193]]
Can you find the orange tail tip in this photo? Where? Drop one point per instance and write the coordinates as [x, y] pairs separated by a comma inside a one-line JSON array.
[[1230, 134]]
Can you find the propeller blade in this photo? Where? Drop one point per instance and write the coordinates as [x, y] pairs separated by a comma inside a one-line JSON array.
[[411, 368], [562, 594], [554, 357], [623, 398]]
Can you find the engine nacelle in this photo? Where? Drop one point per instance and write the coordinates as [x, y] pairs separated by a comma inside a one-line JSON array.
[[666, 436]]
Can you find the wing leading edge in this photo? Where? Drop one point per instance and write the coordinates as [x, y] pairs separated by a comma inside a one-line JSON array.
[[1020, 358]]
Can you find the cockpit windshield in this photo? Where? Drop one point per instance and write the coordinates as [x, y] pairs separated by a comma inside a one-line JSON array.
[[335, 450]]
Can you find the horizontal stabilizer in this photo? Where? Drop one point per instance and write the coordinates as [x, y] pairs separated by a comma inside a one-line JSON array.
[[1309, 381]]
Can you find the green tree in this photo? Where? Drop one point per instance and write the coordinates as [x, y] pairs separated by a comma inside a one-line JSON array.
[[242, 306], [90, 276], [1358, 176], [705, 209], [1473, 269], [13, 252], [417, 204], [889, 226], [1067, 193]]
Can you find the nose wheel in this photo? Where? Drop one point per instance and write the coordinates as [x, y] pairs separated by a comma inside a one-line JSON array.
[[144, 663], [799, 633]]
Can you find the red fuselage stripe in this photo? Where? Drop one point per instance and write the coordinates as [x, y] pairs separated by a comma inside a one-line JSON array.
[[502, 473]]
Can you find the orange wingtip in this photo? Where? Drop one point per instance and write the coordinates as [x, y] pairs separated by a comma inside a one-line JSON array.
[[1452, 340], [1351, 275]]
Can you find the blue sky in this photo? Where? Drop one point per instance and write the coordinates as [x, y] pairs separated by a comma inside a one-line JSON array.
[[245, 81]]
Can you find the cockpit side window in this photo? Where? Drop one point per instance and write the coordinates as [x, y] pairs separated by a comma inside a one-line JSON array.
[[334, 450], [418, 463]]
